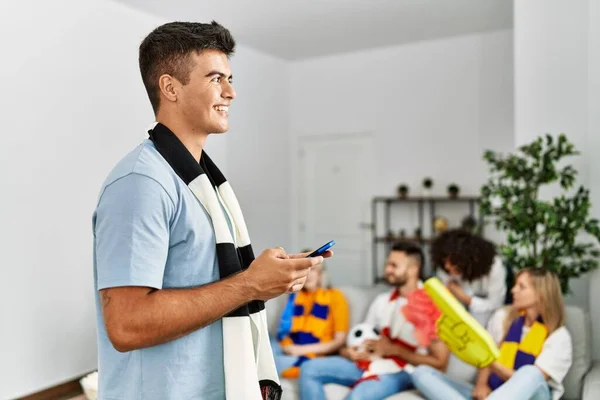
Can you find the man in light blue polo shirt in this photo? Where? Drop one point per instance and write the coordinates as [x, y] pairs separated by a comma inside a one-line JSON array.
[[159, 296]]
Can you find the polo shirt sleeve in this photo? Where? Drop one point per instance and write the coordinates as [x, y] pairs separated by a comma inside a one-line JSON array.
[[132, 233]]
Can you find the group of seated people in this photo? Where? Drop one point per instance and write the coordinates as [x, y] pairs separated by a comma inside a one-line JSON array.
[[535, 347]]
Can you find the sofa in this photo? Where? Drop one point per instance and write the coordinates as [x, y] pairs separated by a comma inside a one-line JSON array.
[[582, 381]]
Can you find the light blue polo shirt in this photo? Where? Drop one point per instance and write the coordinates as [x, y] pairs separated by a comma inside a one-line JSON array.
[[150, 230]]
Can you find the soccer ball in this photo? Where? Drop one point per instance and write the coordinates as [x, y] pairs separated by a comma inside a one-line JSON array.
[[360, 333]]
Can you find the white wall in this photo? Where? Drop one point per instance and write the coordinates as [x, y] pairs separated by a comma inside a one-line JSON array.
[[434, 107], [557, 89], [551, 66], [73, 105], [257, 146], [593, 138]]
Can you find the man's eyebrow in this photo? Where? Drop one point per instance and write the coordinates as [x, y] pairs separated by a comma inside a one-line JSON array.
[[219, 73]]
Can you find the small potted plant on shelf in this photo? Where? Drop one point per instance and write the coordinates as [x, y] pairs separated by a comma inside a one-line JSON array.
[[418, 234], [469, 224], [403, 191], [427, 185], [402, 234], [453, 190]]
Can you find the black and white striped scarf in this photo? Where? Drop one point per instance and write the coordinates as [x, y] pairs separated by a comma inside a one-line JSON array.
[[250, 372]]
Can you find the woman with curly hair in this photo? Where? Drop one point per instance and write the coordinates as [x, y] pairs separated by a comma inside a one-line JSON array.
[[471, 270]]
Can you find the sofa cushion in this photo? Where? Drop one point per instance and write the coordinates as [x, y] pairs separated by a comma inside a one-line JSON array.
[[591, 386], [577, 323]]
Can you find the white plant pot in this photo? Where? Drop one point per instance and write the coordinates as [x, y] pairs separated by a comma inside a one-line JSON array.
[[89, 384]]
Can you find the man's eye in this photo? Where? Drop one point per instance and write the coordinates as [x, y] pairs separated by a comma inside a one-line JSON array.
[[216, 79]]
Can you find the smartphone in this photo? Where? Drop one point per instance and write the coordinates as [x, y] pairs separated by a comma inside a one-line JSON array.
[[321, 249]]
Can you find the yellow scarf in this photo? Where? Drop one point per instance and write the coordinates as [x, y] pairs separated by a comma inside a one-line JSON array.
[[514, 352]]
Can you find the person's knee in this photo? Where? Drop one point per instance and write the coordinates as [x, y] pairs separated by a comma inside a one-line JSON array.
[[530, 372], [423, 372], [360, 392], [311, 369]]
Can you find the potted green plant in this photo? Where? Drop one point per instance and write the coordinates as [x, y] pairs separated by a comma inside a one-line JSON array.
[[541, 232], [453, 190], [427, 185], [403, 191]]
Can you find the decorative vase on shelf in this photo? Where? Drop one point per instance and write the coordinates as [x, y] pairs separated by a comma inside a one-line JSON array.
[[440, 224]]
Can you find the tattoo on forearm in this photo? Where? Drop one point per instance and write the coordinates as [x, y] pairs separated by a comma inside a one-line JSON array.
[[105, 299]]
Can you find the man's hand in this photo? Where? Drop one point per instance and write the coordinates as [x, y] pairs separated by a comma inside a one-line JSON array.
[[459, 292], [481, 391], [274, 273], [353, 354], [326, 254], [381, 347]]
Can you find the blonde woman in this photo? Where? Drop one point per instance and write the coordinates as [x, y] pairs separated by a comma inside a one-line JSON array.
[[315, 322], [535, 348]]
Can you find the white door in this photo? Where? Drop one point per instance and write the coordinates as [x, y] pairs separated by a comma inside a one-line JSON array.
[[334, 193]]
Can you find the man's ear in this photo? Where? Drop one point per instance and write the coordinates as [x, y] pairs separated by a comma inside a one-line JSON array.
[[414, 269], [168, 87]]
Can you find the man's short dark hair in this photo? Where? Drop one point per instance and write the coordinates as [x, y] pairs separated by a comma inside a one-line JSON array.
[[168, 49], [412, 250], [471, 254]]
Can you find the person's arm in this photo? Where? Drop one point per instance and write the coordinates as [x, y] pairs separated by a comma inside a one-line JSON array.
[[353, 354], [437, 353], [131, 249], [482, 389], [496, 290], [323, 348], [503, 372], [483, 376], [138, 317], [556, 356]]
